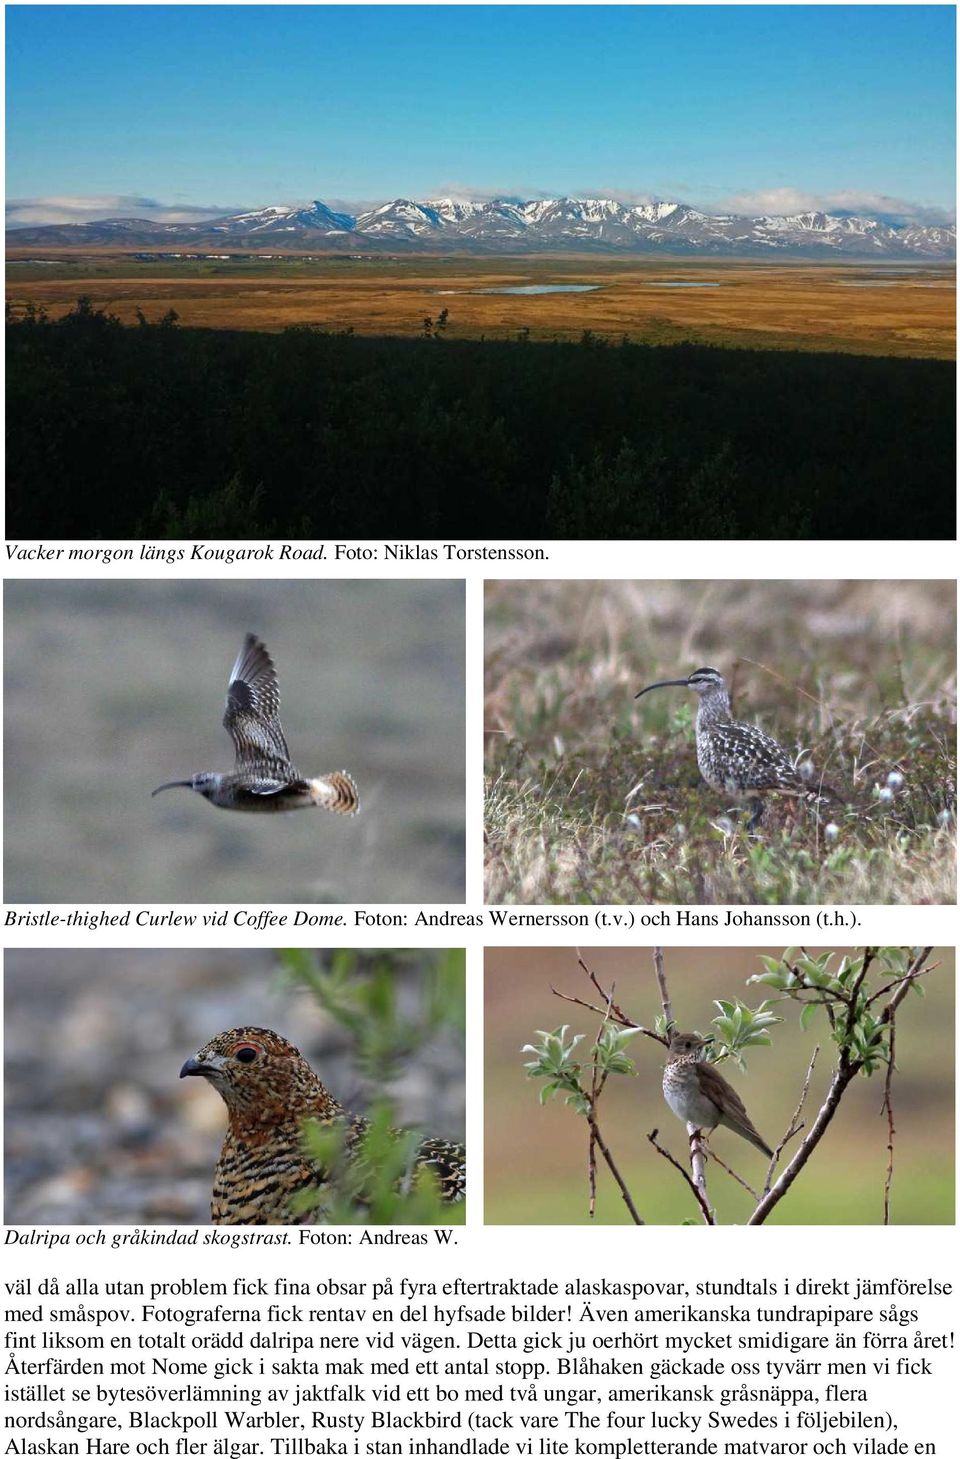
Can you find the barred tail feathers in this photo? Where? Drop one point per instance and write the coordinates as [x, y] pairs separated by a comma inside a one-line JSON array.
[[336, 792]]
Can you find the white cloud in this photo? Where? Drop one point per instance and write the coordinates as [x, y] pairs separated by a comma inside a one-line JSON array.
[[461, 192], [35, 212], [848, 200], [629, 197]]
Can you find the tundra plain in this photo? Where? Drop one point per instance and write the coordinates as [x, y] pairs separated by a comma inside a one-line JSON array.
[[853, 307]]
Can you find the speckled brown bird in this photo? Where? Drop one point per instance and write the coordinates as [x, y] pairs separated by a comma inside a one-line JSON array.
[[270, 1090], [737, 758], [699, 1095]]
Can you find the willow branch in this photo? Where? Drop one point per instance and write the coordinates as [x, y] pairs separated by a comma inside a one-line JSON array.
[[701, 1202], [869, 954], [582, 1003], [596, 1089], [921, 973], [891, 1128], [733, 1174], [846, 1071], [796, 1123], [915, 971], [661, 977], [838, 1084], [602, 1147], [698, 1163], [607, 997], [611, 1012]]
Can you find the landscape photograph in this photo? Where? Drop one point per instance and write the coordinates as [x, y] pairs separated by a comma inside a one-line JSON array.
[[473, 271]]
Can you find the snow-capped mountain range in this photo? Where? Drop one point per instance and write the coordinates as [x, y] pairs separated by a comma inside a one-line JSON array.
[[507, 226]]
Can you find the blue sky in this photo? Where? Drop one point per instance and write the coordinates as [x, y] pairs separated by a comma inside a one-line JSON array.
[[144, 108]]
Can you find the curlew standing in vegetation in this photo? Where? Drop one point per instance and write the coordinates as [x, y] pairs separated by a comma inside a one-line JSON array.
[[264, 779], [737, 758]]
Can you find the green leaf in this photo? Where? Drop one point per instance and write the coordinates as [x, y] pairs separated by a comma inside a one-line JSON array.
[[773, 964], [772, 980]]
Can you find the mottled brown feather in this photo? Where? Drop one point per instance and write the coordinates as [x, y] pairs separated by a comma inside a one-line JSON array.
[[263, 1164]]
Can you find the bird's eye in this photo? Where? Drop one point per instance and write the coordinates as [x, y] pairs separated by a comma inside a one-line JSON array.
[[246, 1053]]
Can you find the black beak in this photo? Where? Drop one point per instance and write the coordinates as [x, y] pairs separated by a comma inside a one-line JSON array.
[[171, 785], [192, 1066], [665, 684]]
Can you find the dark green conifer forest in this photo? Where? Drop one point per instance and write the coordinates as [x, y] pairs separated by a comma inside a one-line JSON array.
[[163, 431]]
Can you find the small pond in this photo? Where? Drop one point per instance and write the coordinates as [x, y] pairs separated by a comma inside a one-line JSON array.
[[527, 289]]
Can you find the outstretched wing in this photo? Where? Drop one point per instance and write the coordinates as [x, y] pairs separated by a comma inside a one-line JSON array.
[[252, 716]]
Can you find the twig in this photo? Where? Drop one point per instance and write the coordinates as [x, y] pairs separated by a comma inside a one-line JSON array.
[[615, 1017], [738, 1178], [597, 1142], [796, 1124], [704, 1206], [841, 1078], [790, 684], [698, 1163], [592, 1173], [915, 971], [596, 1089], [921, 973], [627, 1198], [607, 997], [665, 1002], [846, 1071], [891, 1128], [869, 953]]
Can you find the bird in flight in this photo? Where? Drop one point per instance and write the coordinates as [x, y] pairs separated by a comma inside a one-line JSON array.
[[263, 778], [264, 1166]]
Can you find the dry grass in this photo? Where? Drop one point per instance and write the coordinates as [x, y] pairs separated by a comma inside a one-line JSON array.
[[594, 798], [850, 307]]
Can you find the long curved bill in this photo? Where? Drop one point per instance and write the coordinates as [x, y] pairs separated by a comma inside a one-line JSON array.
[[172, 785], [665, 684]]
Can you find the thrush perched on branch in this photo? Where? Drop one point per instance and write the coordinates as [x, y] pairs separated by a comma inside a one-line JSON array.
[[270, 1091], [698, 1093]]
